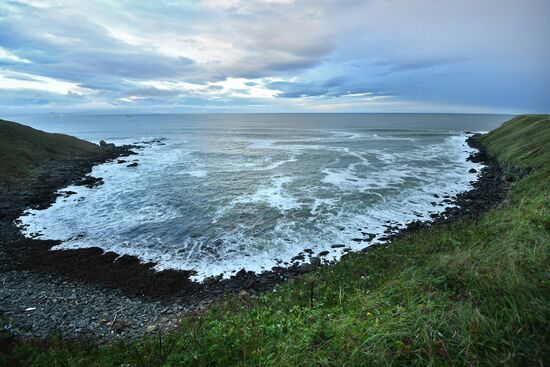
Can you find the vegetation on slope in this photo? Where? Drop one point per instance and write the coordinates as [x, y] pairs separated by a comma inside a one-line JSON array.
[[474, 292], [522, 143], [23, 149]]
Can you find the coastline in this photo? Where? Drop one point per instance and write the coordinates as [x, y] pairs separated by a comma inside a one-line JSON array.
[[136, 294]]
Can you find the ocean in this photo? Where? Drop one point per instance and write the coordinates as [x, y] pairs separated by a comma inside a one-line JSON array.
[[217, 193]]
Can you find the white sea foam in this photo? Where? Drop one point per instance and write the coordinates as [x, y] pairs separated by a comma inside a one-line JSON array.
[[273, 195], [197, 173], [265, 164], [143, 211]]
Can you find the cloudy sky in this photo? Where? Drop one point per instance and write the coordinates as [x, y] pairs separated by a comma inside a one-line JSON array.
[[275, 56]]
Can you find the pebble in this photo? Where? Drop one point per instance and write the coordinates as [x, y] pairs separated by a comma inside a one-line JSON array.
[[76, 309]]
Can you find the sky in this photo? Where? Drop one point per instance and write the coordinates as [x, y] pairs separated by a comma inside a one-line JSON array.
[[468, 56]]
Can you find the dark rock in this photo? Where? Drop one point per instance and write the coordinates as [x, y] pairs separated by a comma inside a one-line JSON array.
[[298, 258], [135, 164], [90, 181], [313, 264], [324, 253], [316, 261], [305, 268], [241, 273], [415, 225], [66, 194], [126, 260], [472, 170], [338, 246], [107, 146]]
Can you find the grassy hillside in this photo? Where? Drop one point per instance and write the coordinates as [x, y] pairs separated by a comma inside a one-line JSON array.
[[522, 143], [23, 149], [470, 293]]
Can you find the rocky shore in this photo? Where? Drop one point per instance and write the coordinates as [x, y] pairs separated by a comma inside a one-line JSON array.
[[87, 293]]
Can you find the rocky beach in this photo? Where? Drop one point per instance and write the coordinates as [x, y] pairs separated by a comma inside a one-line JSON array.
[[101, 296]]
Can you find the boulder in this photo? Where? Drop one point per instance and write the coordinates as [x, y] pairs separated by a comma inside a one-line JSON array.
[[107, 146], [298, 258], [315, 261], [313, 264]]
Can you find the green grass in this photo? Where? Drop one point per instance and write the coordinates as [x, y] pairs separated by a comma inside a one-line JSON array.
[[470, 293], [23, 149], [522, 143]]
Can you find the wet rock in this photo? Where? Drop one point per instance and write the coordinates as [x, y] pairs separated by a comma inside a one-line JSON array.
[[338, 246], [241, 273], [313, 264], [108, 147], [134, 164], [472, 170], [324, 253], [297, 258], [415, 225], [89, 181], [316, 261]]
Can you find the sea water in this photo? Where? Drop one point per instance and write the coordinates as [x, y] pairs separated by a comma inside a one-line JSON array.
[[220, 192]]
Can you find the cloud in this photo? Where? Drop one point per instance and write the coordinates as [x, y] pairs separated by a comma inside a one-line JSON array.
[[20, 81], [280, 53], [231, 87], [333, 88], [9, 57]]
